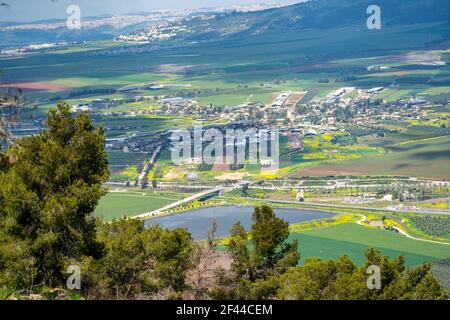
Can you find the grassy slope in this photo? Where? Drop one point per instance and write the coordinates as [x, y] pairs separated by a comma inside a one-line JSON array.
[[332, 242], [120, 204]]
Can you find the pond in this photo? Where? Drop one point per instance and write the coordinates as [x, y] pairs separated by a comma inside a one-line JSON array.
[[198, 221]]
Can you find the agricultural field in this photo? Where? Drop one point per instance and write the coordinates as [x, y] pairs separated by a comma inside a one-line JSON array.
[[264, 194], [317, 150], [123, 126], [363, 117], [323, 149], [125, 166], [433, 226], [417, 151], [441, 269], [440, 204], [422, 158], [238, 70], [122, 203], [351, 239]]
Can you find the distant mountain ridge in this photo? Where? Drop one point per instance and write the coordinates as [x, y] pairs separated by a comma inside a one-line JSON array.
[[322, 14], [244, 25], [103, 27]]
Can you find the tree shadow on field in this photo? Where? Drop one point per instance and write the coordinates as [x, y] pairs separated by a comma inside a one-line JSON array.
[[401, 166], [432, 155]]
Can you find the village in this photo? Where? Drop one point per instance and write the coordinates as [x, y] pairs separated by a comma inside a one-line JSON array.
[[338, 111]]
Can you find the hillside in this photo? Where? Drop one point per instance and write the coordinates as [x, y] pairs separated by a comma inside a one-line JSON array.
[[318, 14]]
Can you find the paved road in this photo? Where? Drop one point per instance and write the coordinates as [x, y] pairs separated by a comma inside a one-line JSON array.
[[419, 239], [363, 218]]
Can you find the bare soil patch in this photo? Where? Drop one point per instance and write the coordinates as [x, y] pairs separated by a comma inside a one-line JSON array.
[[38, 86]]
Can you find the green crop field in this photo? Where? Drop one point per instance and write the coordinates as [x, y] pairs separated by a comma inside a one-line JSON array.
[[351, 239], [442, 270], [422, 158], [320, 150], [125, 165], [120, 126], [432, 225], [116, 205]]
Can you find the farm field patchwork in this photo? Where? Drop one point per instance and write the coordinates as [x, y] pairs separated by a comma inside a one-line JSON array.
[[420, 158], [226, 68], [115, 127], [125, 166], [362, 116], [351, 239]]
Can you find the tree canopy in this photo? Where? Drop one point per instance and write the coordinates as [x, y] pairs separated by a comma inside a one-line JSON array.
[[49, 187], [261, 254]]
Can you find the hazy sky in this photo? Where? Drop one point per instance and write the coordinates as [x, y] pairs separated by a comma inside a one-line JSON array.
[[30, 10]]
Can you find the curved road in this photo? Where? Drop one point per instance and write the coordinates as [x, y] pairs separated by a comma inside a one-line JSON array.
[[411, 237], [363, 218]]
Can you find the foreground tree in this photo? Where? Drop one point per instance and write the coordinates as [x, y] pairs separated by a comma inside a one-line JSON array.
[[49, 186], [341, 279], [265, 267], [139, 263], [258, 261]]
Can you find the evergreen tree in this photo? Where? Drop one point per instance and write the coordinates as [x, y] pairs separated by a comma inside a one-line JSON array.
[[138, 262], [257, 262], [49, 188]]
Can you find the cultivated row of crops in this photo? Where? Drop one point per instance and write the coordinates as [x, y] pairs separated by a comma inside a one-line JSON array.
[[434, 226]]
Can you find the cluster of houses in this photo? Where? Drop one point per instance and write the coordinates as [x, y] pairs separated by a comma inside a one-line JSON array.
[[351, 106], [99, 104], [153, 33], [286, 113], [339, 108]]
